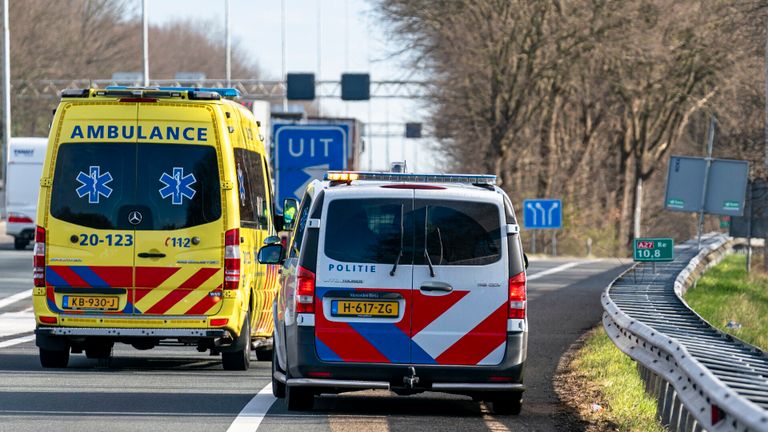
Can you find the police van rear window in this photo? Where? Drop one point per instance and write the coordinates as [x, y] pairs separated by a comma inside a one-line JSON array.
[[100, 185], [369, 230], [458, 233]]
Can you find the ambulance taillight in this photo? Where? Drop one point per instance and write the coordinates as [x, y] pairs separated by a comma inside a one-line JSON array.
[[38, 271], [232, 259], [305, 290], [517, 296]]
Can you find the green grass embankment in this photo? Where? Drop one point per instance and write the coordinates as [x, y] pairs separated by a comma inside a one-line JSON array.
[[727, 294], [609, 393]]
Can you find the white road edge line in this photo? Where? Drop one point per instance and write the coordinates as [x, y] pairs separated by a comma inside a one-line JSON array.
[[558, 269], [14, 298], [253, 413], [17, 341]]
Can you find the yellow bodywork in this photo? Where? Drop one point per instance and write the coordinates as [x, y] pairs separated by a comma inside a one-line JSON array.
[[183, 288]]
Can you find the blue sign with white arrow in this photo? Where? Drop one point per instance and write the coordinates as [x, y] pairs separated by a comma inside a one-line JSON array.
[[304, 153], [543, 214]]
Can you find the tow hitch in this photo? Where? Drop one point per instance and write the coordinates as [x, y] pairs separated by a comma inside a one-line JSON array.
[[411, 381]]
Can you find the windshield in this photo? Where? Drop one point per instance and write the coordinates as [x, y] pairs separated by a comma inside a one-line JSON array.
[[174, 186]]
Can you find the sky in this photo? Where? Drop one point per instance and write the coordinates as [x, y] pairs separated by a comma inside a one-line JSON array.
[[350, 40]]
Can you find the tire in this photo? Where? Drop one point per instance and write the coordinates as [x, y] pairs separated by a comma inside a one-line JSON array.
[[264, 354], [54, 358], [507, 404], [239, 360], [278, 388], [299, 398], [20, 243]]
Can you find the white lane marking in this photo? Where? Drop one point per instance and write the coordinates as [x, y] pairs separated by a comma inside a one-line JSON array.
[[558, 269], [13, 323], [15, 298], [253, 413], [17, 341]]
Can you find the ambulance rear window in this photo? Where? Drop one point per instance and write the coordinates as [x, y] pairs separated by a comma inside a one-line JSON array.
[[92, 183], [99, 185]]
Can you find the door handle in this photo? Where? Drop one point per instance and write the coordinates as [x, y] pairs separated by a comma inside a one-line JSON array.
[[151, 255], [436, 286]]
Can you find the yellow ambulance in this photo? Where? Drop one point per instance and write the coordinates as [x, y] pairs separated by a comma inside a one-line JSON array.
[[153, 203]]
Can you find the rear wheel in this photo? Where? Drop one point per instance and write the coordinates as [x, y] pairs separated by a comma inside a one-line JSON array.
[[20, 243], [241, 359], [54, 358], [299, 398], [507, 403], [278, 388]]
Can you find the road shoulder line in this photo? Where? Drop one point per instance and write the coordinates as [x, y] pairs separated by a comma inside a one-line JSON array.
[[254, 411], [15, 298], [559, 269]]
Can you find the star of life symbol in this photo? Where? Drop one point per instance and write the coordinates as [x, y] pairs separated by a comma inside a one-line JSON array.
[[94, 184], [177, 186], [240, 181]]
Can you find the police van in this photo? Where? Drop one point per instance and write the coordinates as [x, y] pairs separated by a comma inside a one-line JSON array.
[[406, 282], [153, 204]]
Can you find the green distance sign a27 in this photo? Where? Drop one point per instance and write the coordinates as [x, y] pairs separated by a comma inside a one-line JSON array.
[[654, 249]]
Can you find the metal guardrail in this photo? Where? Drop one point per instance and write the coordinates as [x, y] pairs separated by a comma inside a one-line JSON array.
[[703, 378]]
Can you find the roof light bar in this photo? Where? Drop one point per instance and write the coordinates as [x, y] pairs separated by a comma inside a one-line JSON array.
[[75, 93], [205, 92], [482, 179]]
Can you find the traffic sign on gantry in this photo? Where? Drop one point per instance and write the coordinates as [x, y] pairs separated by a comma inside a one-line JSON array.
[[543, 214], [654, 249], [304, 153]]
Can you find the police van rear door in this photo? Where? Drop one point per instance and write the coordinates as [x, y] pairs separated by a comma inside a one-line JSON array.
[[459, 313], [364, 277], [180, 239]]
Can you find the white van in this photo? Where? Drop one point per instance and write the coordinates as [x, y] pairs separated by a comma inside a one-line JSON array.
[[25, 165], [401, 281]]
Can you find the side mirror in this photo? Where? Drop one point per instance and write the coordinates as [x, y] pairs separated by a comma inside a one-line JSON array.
[[271, 254], [290, 208], [525, 258]]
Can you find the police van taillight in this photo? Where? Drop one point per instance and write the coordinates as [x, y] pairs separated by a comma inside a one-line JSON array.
[[38, 271], [232, 259], [517, 296], [305, 290]]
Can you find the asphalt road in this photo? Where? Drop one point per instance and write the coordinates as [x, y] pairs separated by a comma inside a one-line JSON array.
[[178, 389]]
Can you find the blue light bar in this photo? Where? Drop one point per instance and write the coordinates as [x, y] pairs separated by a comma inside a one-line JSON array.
[[223, 92], [477, 179]]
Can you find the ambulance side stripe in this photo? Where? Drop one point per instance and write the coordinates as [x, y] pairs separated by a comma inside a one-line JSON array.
[[182, 291], [205, 304], [92, 279], [70, 278]]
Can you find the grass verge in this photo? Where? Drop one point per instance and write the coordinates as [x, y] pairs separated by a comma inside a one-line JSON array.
[[603, 385], [727, 294]]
